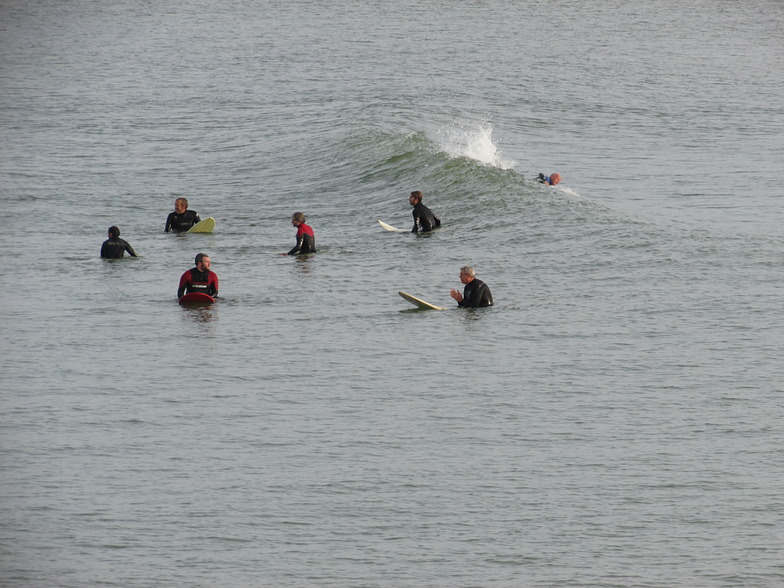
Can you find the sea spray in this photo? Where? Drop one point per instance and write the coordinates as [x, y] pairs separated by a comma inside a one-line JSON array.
[[475, 143]]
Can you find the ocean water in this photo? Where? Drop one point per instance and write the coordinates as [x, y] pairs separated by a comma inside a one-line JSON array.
[[614, 420]]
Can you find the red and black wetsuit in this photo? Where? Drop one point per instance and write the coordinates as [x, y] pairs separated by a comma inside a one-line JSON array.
[[116, 248], [424, 219], [306, 241], [476, 294], [195, 281], [181, 222]]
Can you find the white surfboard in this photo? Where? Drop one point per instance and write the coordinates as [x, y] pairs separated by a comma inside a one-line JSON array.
[[390, 228], [205, 226], [421, 304]]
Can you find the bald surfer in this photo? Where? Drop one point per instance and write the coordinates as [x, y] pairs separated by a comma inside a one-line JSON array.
[[550, 180]]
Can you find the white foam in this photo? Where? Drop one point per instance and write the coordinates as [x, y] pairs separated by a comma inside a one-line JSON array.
[[474, 143]]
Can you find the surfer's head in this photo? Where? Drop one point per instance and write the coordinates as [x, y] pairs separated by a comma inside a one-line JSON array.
[[298, 218], [114, 232], [554, 179], [467, 274], [202, 262], [415, 197], [180, 205]]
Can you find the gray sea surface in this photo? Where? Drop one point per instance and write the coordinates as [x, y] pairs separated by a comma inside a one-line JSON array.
[[615, 420]]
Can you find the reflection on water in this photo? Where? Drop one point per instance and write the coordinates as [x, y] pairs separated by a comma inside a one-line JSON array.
[[201, 315], [303, 263]]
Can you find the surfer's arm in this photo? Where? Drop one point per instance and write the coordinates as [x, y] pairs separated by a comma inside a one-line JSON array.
[[298, 246], [184, 281], [130, 250]]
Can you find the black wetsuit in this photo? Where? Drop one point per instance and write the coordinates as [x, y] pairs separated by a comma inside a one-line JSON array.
[[116, 248], [424, 219], [181, 222], [476, 294]]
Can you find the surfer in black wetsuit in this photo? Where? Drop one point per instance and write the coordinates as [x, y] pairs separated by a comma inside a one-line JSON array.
[[181, 219], [424, 219], [476, 294], [114, 247], [199, 278]]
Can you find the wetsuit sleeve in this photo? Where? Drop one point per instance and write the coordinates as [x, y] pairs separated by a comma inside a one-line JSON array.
[[300, 241], [298, 246], [104, 252], [437, 221], [169, 222], [129, 249], [184, 281], [416, 221], [214, 283], [476, 296], [196, 218]]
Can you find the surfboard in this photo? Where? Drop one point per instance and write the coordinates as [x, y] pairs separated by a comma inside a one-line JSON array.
[[419, 303], [390, 228], [205, 226], [197, 298]]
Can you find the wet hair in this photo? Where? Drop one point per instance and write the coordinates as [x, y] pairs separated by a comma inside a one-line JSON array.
[[417, 194], [468, 271], [298, 216], [114, 231], [200, 257], [184, 202]]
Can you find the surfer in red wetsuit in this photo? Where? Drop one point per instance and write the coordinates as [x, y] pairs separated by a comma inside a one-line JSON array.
[[199, 278], [306, 240], [181, 219]]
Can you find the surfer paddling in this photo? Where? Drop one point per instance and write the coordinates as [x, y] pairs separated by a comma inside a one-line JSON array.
[[306, 240], [199, 278], [424, 219], [476, 294], [550, 180], [182, 219], [114, 247]]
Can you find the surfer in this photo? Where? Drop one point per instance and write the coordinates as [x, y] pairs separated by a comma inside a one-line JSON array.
[[550, 180], [306, 240], [114, 247], [199, 278], [181, 219], [424, 219], [476, 294]]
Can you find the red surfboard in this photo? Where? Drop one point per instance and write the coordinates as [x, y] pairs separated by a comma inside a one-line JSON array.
[[197, 298]]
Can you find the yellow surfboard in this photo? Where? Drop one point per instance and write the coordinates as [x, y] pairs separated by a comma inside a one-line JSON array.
[[419, 303], [205, 226]]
